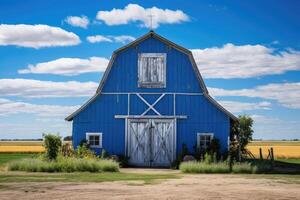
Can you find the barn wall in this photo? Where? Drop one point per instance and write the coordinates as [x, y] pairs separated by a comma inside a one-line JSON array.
[[181, 78], [180, 74]]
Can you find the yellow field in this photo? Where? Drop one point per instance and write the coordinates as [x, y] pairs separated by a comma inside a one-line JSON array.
[[282, 149], [23, 149]]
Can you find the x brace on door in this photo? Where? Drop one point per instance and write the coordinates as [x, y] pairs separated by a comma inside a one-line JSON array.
[[150, 106]]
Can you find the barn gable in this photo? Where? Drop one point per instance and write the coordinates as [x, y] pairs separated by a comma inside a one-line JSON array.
[[121, 74]]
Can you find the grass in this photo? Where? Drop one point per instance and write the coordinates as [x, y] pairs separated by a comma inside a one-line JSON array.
[[289, 160], [7, 157], [282, 178], [64, 165], [81, 177], [274, 143], [243, 168], [202, 167], [223, 167]]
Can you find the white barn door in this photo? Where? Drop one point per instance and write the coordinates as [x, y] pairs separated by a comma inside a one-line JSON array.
[[163, 142], [151, 142]]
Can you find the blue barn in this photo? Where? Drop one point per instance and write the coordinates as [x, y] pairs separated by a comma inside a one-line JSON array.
[[150, 101]]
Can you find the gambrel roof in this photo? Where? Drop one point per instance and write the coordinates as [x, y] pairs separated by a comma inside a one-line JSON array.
[[171, 44]]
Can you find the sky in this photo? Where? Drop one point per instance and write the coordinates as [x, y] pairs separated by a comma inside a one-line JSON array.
[[53, 55]]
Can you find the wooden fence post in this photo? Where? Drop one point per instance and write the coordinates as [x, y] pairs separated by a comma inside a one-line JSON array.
[[272, 154], [260, 154]]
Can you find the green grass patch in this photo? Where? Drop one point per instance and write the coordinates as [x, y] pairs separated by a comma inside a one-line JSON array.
[[81, 177], [223, 167], [7, 157], [289, 160], [274, 143], [64, 164], [244, 168], [282, 178], [203, 167]]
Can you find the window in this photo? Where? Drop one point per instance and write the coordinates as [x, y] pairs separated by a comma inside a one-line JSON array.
[[152, 70], [204, 140], [94, 139]]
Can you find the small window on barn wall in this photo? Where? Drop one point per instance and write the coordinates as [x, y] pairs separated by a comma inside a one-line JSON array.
[[204, 140], [152, 70], [94, 139]]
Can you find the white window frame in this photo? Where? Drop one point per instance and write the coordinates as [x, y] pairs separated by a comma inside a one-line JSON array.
[[94, 134], [199, 137], [152, 84]]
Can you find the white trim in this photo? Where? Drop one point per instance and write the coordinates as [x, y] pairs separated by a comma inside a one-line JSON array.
[[88, 134], [206, 134], [150, 116]]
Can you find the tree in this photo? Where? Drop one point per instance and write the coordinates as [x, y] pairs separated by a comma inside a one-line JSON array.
[[245, 131], [241, 132], [52, 145]]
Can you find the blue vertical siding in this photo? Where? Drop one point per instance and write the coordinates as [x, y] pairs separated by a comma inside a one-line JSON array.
[[202, 115]]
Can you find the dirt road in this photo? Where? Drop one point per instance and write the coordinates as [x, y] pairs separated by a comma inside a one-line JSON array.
[[187, 187]]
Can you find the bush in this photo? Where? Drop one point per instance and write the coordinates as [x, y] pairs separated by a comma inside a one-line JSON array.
[[52, 145], [262, 166], [83, 151], [64, 164], [203, 167], [243, 168], [123, 160]]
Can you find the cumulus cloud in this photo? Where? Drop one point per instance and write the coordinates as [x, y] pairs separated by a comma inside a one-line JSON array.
[[240, 107], [36, 36], [77, 21], [68, 66], [30, 88], [98, 38], [232, 61], [101, 38], [8, 107], [136, 13], [287, 94]]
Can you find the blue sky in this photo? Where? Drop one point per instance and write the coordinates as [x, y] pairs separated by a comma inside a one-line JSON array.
[[53, 54]]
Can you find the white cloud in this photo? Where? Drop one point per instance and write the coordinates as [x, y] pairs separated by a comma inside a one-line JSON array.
[[123, 38], [36, 36], [8, 107], [287, 94], [68, 66], [101, 38], [232, 61], [136, 13], [29, 88], [82, 21], [240, 107], [98, 38]]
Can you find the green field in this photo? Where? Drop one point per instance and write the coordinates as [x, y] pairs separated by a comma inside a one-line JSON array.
[[289, 160], [274, 143], [81, 177], [7, 157]]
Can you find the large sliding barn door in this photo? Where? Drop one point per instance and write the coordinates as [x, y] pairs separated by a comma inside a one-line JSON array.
[[151, 142]]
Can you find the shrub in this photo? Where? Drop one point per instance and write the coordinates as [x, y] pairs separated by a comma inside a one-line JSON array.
[[262, 166], [203, 167], [123, 160], [243, 168], [83, 151], [52, 145], [64, 164]]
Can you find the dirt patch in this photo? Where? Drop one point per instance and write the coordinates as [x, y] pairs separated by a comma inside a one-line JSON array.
[[187, 187]]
